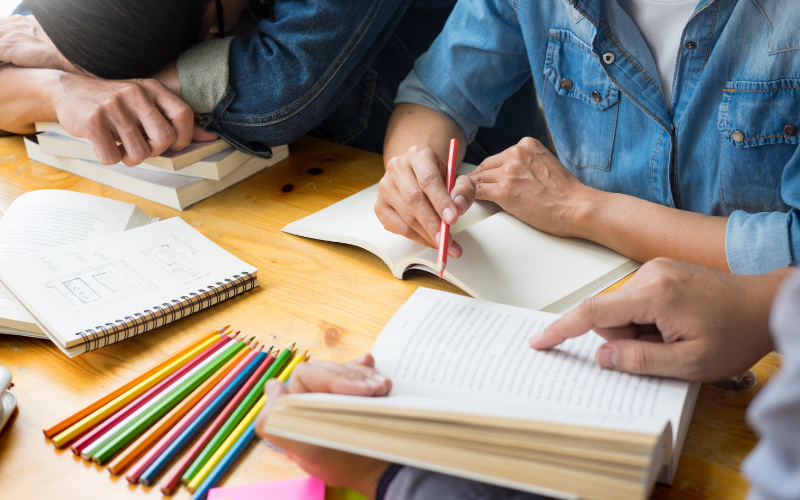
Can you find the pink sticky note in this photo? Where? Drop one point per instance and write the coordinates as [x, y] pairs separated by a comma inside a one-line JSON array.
[[302, 488]]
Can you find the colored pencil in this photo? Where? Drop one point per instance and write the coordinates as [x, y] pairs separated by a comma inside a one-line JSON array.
[[173, 479], [173, 443], [207, 356], [91, 436], [169, 401], [236, 417], [170, 419], [191, 413], [77, 416], [235, 445], [247, 421], [122, 400]]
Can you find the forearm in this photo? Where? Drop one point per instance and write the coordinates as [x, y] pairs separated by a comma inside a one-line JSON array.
[[417, 125], [26, 98], [643, 230]]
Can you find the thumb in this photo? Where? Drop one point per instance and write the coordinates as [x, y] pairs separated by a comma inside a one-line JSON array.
[[642, 357]]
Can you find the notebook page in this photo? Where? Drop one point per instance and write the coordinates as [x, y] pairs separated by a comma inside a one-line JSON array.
[[508, 261], [449, 347], [109, 280], [49, 218]]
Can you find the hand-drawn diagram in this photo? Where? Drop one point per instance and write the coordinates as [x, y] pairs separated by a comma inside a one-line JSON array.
[[98, 287], [175, 264]]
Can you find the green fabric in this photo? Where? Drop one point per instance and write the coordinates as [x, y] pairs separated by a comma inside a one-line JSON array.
[[203, 74]]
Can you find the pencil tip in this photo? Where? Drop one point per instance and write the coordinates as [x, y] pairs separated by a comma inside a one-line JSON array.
[[251, 338], [441, 266]]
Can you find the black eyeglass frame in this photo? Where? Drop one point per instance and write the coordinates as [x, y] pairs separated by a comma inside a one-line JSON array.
[[220, 20]]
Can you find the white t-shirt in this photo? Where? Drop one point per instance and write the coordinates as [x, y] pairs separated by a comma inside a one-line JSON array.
[[661, 23]]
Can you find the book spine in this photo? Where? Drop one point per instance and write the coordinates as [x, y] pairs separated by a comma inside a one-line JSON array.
[[159, 315]]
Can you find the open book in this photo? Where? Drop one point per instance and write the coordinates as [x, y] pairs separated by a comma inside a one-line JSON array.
[[82, 148], [87, 295], [471, 398], [50, 218], [504, 260]]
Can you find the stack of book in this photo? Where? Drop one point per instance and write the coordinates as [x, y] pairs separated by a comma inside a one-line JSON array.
[[176, 179]]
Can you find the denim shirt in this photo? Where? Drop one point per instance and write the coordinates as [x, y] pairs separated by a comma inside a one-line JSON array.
[[728, 146]]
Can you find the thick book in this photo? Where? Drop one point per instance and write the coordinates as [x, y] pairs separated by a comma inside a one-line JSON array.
[[504, 260], [214, 167], [471, 398], [88, 295], [168, 160], [174, 191], [50, 218]]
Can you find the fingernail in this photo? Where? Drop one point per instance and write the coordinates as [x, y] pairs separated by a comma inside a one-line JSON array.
[[461, 203], [607, 356], [448, 215], [379, 378], [454, 250], [437, 237]]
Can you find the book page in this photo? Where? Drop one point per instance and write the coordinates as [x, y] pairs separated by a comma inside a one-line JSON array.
[[449, 347], [508, 261], [85, 288], [50, 218], [353, 221]]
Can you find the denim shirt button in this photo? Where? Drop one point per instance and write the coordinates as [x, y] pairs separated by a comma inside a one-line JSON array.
[[691, 45], [566, 83], [596, 96], [608, 58], [737, 136], [790, 130]]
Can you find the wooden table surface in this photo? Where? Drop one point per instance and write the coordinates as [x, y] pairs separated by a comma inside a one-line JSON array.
[[331, 299]]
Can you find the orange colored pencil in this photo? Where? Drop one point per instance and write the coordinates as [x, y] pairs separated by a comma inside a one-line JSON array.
[[145, 440], [67, 422]]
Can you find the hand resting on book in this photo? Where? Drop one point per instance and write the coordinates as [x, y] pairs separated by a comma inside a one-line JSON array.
[[357, 378], [676, 319]]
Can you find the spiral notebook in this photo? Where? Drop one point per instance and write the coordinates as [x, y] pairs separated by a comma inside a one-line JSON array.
[[88, 295]]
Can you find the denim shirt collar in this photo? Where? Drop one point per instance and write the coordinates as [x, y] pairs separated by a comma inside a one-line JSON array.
[[784, 35]]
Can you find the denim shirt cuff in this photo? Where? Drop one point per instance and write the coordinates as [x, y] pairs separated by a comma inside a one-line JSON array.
[[413, 91], [203, 73], [757, 243]]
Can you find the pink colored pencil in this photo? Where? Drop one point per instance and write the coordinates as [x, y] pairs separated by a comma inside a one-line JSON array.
[[173, 479], [155, 451], [154, 391]]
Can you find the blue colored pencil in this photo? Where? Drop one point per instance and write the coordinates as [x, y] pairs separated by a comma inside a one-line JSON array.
[[158, 465], [226, 463]]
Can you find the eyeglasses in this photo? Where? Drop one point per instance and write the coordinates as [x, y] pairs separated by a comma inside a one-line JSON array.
[[220, 20]]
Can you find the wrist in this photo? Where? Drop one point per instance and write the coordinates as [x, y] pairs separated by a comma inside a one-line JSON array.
[[51, 91], [369, 480], [586, 213]]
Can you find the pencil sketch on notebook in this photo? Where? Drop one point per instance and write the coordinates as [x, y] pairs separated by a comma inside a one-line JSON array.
[[175, 264], [96, 287]]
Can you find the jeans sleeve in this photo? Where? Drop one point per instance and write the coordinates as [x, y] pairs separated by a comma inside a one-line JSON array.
[[762, 242], [285, 80], [410, 483], [773, 467], [476, 63]]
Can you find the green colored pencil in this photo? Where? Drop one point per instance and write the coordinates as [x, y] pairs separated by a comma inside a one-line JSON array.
[[151, 416], [236, 416]]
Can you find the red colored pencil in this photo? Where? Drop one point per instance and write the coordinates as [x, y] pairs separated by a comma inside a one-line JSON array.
[[444, 231], [155, 451], [154, 391], [173, 480]]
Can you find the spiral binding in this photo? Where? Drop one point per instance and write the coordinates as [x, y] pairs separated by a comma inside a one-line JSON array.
[[150, 319]]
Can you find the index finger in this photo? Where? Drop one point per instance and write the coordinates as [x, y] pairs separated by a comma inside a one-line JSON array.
[[490, 163], [336, 378], [179, 114], [620, 308]]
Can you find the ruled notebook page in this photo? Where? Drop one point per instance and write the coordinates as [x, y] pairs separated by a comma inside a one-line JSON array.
[[89, 294], [447, 347]]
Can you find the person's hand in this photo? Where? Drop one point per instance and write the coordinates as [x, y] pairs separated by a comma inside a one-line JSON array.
[[357, 378], [413, 198], [143, 115], [24, 43], [676, 319], [530, 183]]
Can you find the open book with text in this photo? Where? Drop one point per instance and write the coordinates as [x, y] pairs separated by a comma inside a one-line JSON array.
[[471, 398]]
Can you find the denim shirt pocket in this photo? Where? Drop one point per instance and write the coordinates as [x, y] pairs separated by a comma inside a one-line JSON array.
[[760, 127], [580, 102]]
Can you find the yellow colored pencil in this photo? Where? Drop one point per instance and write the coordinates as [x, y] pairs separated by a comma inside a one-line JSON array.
[[109, 409], [284, 376], [227, 444]]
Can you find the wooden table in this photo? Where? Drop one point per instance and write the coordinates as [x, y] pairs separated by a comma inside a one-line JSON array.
[[331, 299]]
